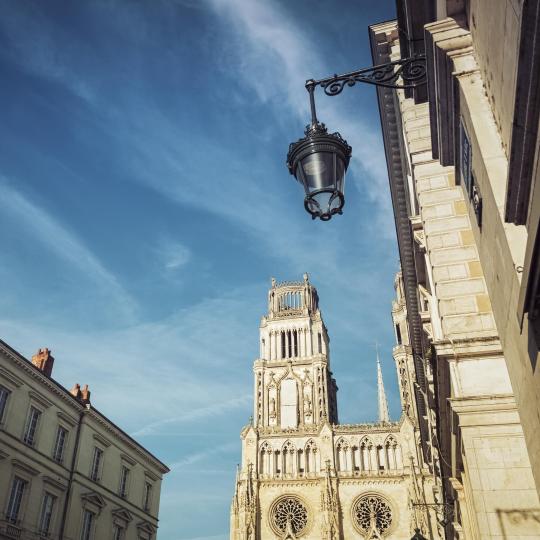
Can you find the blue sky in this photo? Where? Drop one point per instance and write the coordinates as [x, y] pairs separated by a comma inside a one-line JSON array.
[[146, 204]]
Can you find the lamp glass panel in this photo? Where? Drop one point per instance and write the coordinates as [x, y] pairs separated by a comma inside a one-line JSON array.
[[318, 169], [340, 174]]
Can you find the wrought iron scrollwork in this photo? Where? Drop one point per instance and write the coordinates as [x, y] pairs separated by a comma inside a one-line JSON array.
[[403, 73]]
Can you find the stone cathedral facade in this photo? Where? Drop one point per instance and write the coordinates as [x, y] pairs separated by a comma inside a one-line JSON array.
[[305, 475]]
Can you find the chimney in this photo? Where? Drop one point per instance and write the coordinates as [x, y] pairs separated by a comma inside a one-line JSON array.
[[44, 361], [85, 395], [76, 391], [82, 395]]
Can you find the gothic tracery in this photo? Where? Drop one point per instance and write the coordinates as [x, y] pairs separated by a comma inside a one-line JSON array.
[[372, 515], [289, 511]]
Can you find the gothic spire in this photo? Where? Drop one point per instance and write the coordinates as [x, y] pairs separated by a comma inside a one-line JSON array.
[[383, 404]]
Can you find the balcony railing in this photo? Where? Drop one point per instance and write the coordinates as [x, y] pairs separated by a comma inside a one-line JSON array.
[[10, 530]]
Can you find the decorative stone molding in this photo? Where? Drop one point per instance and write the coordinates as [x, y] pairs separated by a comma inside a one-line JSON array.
[[55, 483], [43, 402], [66, 418], [123, 514], [21, 465], [94, 501], [101, 440], [10, 378]]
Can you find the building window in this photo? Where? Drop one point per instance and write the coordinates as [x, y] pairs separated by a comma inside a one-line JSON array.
[[465, 157], [4, 394], [31, 426], [15, 498], [96, 464], [124, 476], [118, 532], [466, 173], [398, 334], [147, 495], [319, 342], [60, 444], [88, 522], [45, 517]]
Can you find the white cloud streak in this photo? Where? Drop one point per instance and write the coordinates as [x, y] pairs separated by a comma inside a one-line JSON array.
[[173, 255], [59, 240], [210, 411], [202, 455]]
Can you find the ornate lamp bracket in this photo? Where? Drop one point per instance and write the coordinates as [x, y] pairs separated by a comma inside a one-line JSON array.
[[402, 73], [319, 160]]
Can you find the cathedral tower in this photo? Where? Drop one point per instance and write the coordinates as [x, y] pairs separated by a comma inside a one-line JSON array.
[[304, 475], [293, 333]]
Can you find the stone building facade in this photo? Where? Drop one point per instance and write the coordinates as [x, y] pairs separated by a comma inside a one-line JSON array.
[[462, 159], [66, 471], [304, 475]]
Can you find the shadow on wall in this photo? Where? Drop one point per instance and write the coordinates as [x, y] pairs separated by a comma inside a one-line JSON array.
[[525, 522]]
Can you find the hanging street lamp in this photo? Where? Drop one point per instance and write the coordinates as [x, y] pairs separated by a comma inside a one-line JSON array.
[[320, 159], [319, 162]]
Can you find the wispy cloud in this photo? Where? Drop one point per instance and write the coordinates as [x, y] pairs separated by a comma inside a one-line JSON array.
[[216, 409], [203, 454], [172, 255], [64, 243], [43, 54]]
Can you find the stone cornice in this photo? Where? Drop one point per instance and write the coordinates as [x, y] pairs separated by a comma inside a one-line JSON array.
[[492, 404], [316, 359], [337, 429], [372, 481], [391, 427], [382, 37], [301, 482], [465, 348]]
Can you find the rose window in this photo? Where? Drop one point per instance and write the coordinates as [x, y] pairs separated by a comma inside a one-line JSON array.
[[289, 510], [372, 513]]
